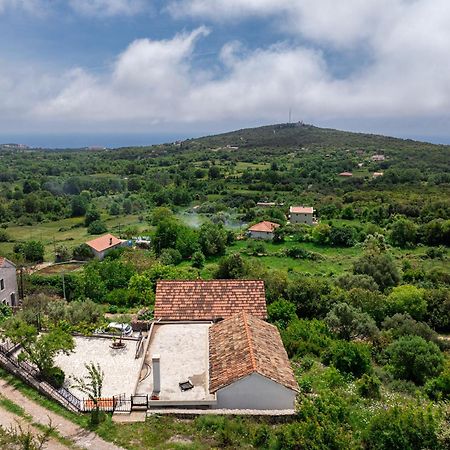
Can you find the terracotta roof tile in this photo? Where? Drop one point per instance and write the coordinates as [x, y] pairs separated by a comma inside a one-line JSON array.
[[207, 300], [105, 242], [269, 227], [301, 210], [242, 345]]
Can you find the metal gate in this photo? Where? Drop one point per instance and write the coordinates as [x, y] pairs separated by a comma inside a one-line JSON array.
[[139, 402]]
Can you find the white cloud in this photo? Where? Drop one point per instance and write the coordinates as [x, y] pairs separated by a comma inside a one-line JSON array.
[[153, 83], [108, 8]]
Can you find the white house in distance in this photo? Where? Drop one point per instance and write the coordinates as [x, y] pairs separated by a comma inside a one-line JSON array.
[[103, 244], [8, 283], [263, 230], [302, 214]]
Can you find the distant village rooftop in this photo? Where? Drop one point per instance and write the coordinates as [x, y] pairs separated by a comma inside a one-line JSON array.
[[264, 226], [345, 174], [209, 300], [301, 210], [105, 242]]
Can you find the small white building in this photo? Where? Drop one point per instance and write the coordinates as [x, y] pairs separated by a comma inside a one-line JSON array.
[[248, 365], [263, 230], [301, 214], [103, 244], [9, 293], [378, 158]]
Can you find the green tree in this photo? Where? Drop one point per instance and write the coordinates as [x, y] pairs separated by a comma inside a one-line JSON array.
[[198, 259], [82, 252], [212, 239], [92, 215], [232, 266], [321, 234], [39, 349], [78, 206], [413, 358], [403, 427], [97, 227], [349, 323], [281, 312], [32, 251], [407, 299], [403, 233], [92, 386], [380, 266], [349, 357]]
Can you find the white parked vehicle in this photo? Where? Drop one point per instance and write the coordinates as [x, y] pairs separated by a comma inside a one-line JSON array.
[[118, 328]]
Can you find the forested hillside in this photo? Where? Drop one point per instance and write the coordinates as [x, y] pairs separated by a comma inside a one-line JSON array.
[[362, 298]]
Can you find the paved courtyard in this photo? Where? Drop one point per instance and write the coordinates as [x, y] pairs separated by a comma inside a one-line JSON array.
[[120, 367]]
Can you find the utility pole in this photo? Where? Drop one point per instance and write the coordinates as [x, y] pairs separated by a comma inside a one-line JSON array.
[[63, 286]]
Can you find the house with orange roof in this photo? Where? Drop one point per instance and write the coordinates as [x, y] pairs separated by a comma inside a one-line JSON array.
[[211, 348], [103, 244], [301, 214], [263, 230], [248, 365], [9, 293]]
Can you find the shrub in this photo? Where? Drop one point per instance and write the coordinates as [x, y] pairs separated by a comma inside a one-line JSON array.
[[439, 388], [349, 357], [380, 266], [350, 323], [402, 428], [198, 260], [82, 252], [55, 376], [303, 337], [281, 312], [170, 256], [97, 227], [369, 386], [413, 358], [4, 237], [407, 299]]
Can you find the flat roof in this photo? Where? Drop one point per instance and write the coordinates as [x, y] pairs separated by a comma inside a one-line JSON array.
[[184, 356]]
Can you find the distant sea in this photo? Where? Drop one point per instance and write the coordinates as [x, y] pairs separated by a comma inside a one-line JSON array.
[[91, 140]]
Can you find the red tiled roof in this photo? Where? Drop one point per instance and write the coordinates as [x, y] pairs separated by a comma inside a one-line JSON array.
[[301, 209], [208, 300], [242, 345], [104, 242], [266, 226], [3, 260]]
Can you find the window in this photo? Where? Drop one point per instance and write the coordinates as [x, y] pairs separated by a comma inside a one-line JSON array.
[[2, 284]]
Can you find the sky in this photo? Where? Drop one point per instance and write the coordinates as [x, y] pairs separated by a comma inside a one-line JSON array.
[[134, 72]]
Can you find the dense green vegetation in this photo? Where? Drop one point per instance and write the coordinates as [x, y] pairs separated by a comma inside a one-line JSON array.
[[362, 299]]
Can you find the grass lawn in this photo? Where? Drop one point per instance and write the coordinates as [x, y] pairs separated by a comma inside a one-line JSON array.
[[65, 232]]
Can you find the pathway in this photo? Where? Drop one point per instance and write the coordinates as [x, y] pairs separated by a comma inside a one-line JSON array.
[[82, 438]]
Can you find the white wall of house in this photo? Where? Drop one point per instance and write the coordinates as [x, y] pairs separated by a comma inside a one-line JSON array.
[[101, 255], [265, 235], [301, 218], [9, 293], [256, 392]]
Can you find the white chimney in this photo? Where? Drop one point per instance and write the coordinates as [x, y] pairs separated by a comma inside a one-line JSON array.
[[156, 374]]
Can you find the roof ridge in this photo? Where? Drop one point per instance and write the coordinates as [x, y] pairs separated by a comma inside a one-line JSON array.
[[249, 341]]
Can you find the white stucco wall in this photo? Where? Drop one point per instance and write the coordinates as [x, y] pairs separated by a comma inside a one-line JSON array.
[[256, 392], [261, 235], [10, 293]]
